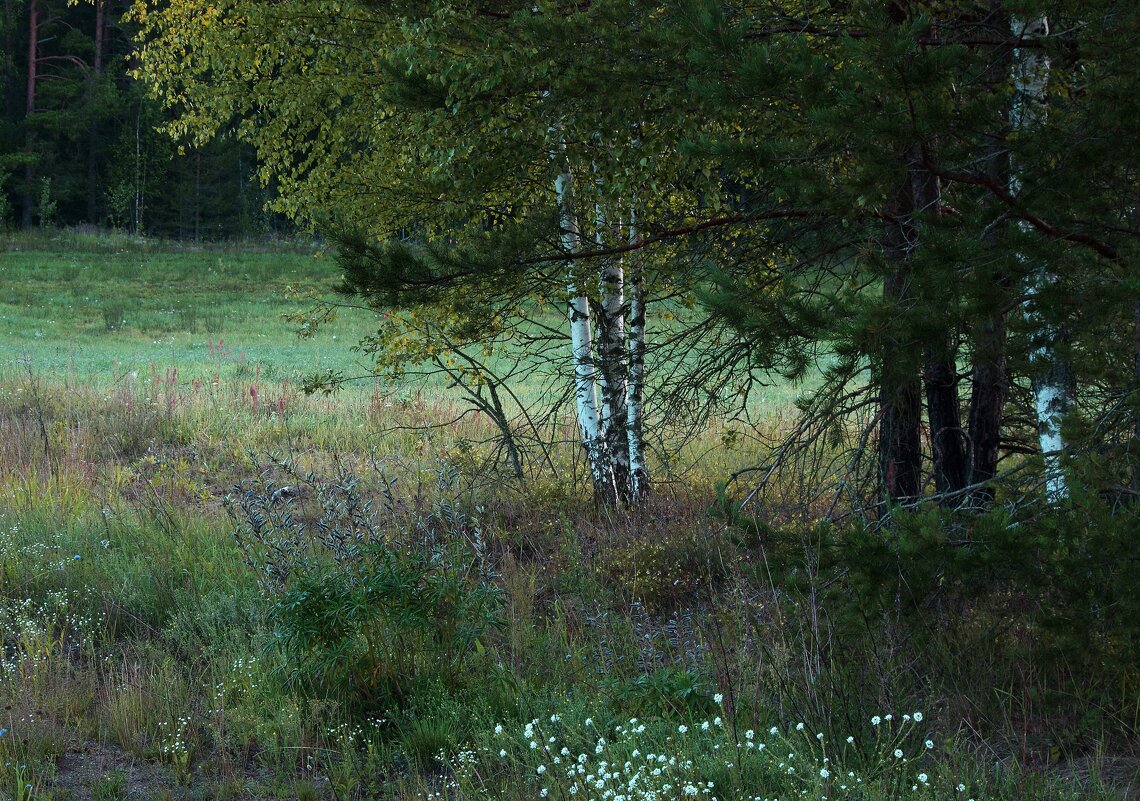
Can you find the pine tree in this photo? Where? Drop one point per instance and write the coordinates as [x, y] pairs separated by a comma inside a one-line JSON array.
[[906, 114]]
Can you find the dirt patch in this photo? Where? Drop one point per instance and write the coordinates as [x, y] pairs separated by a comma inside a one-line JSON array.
[[106, 773]]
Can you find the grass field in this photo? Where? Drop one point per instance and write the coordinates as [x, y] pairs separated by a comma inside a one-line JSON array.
[[408, 621], [91, 309]]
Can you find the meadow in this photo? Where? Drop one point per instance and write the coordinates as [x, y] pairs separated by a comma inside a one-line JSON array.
[[213, 586]]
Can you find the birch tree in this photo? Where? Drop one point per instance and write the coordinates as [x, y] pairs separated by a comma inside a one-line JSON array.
[[429, 130], [1052, 376], [591, 421]]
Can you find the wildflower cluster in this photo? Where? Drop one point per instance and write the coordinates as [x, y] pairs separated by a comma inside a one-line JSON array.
[[706, 759], [356, 750], [174, 744], [239, 683], [47, 553], [39, 632]]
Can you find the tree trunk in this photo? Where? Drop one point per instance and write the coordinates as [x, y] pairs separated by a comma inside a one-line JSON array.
[[1053, 388], [1136, 400], [99, 36], [944, 414], [940, 375], [93, 128], [612, 365], [900, 404], [29, 199], [140, 190], [989, 388], [900, 386], [585, 376], [635, 383], [197, 195], [989, 375]]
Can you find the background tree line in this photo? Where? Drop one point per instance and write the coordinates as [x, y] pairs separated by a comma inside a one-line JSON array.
[[79, 143]]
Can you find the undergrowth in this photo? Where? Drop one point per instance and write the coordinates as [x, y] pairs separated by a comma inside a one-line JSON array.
[[395, 617]]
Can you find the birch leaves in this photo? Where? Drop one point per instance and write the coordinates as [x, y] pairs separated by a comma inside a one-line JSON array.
[[434, 124]]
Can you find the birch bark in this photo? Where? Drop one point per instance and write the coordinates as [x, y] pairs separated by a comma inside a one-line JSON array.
[[635, 376], [1052, 375], [585, 375], [613, 368]]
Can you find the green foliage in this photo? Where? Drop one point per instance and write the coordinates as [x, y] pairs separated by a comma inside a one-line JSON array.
[[5, 204], [682, 757], [667, 569], [1049, 588], [828, 624], [27, 765], [668, 692], [46, 207], [364, 614], [110, 787]]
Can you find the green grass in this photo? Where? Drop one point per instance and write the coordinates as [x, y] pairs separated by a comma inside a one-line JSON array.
[[160, 631], [101, 315], [107, 310]]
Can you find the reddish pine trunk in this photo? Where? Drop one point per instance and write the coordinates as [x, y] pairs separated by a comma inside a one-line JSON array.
[[900, 396], [900, 385], [30, 108], [940, 376], [989, 375]]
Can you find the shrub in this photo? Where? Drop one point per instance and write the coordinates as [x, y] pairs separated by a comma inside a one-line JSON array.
[[667, 569], [362, 610], [1037, 594]]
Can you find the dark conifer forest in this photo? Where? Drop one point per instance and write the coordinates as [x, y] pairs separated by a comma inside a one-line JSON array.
[[79, 139]]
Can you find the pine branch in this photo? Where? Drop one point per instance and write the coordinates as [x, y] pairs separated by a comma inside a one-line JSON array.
[[677, 233], [811, 29], [1002, 193]]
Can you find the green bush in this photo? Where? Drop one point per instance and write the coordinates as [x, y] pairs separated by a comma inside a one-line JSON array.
[[407, 615], [366, 609], [667, 569], [667, 691], [1038, 594]]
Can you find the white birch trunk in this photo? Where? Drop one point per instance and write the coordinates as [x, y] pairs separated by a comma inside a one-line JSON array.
[[635, 375], [1052, 377], [585, 377], [612, 358]]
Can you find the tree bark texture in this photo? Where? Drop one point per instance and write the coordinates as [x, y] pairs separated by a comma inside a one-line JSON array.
[[944, 415], [900, 385], [93, 188], [1052, 381], [29, 110], [1136, 400], [585, 375], [988, 392], [940, 375], [635, 383], [989, 371], [900, 403], [611, 357]]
